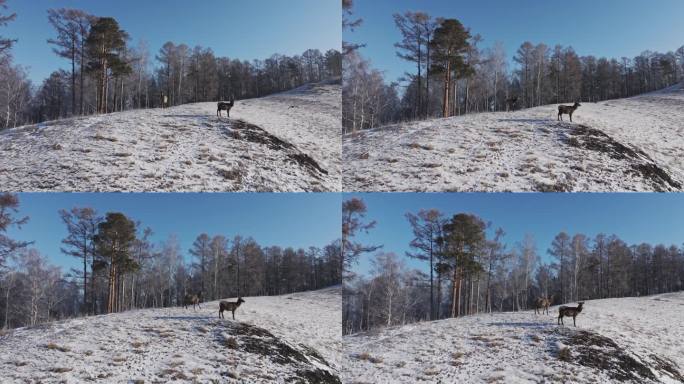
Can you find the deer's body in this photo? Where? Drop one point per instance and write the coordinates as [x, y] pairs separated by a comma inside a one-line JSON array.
[[192, 299], [511, 103], [542, 303], [229, 306], [570, 312], [224, 106], [568, 110]]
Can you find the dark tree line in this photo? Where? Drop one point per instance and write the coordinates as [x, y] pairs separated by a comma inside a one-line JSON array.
[[454, 76], [122, 269], [109, 74], [471, 270]]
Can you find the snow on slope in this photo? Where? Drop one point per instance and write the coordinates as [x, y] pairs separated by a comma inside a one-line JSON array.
[[273, 340], [285, 142], [633, 144], [636, 340]]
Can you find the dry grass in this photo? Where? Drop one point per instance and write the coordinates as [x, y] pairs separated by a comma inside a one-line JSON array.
[[231, 343], [100, 137], [431, 165], [119, 359], [231, 174], [426, 147], [367, 357], [364, 156], [564, 354], [53, 346], [137, 344], [61, 369]]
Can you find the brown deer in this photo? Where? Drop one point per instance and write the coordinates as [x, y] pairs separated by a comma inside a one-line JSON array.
[[225, 106], [567, 109], [542, 303], [569, 311], [192, 299], [229, 306]]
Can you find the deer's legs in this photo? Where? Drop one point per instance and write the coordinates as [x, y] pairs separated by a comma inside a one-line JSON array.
[[233, 315], [570, 117], [573, 321]]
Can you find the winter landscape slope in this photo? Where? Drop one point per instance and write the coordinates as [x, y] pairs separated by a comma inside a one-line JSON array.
[[636, 340], [285, 142], [290, 338], [633, 144]]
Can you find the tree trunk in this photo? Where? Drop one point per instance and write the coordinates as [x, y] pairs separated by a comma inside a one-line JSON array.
[[447, 84]]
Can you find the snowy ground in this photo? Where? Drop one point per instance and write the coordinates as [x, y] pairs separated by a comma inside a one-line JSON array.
[[635, 340], [284, 142], [634, 144], [273, 340]]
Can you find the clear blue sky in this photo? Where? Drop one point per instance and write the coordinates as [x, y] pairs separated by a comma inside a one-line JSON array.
[[610, 28], [635, 218], [283, 219], [244, 29]]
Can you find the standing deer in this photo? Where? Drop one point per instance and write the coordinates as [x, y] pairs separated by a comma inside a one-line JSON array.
[[192, 299], [567, 109], [569, 311], [542, 303], [229, 306], [225, 106]]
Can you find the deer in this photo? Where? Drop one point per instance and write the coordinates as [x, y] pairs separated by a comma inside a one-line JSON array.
[[567, 109], [569, 311], [192, 299], [511, 102], [542, 303], [222, 105], [229, 306]]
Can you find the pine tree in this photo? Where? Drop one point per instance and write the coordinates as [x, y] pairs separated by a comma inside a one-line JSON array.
[[464, 238], [9, 205], [560, 249], [106, 44], [70, 25], [449, 46], [427, 229], [113, 244], [6, 44], [81, 226]]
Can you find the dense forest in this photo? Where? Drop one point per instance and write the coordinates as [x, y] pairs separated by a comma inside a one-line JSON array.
[[454, 75], [470, 270], [120, 268], [108, 74]]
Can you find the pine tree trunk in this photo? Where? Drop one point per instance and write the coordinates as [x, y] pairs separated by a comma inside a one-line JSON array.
[[447, 84]]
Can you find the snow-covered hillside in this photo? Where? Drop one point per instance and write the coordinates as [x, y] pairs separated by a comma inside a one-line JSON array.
[[635, 340], [285, 142], [291, 338], [634, 144]]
